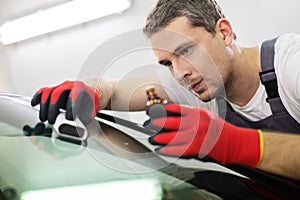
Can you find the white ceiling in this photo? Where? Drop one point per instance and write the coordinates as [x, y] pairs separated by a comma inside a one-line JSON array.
[[11, 9]]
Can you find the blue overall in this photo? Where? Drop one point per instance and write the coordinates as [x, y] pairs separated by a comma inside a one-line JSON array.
[[280, 119]]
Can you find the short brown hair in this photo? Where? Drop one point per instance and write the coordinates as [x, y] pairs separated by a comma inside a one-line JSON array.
[[204, 13]]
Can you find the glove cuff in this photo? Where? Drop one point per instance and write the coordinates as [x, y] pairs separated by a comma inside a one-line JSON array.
[[262, 146], [251, 148], [97, 90]]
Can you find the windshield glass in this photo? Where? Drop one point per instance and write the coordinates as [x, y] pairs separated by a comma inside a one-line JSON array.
[[38, 163], [69, 158]]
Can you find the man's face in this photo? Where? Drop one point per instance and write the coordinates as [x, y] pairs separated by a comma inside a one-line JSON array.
[[194, 56]]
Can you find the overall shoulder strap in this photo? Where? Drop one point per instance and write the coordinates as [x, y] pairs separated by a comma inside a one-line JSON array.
[[268, 76]]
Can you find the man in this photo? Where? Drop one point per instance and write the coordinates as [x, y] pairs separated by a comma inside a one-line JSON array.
[[195, 41]]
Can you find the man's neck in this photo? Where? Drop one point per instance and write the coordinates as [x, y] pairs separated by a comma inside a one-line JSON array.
[[246, 72]]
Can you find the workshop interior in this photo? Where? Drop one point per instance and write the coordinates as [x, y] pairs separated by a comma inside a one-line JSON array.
[[44, 43]]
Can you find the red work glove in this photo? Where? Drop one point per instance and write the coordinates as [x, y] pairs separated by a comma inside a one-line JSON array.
[[75, 97], [194, 132]]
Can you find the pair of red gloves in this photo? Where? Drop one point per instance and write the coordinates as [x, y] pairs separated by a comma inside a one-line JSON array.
[[180, 130]]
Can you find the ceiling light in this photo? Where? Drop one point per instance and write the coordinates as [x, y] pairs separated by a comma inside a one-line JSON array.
[[132, 189], [59, 17]]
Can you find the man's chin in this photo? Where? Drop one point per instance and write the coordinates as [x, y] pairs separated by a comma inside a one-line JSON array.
[[203, 96], [205, 99]]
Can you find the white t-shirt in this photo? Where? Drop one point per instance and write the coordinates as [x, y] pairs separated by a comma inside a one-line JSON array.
[[287, 69]]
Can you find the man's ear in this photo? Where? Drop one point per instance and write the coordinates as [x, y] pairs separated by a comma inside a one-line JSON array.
[[223, 26]]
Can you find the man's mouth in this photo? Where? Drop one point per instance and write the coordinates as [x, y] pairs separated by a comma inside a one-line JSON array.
[[196, 86]]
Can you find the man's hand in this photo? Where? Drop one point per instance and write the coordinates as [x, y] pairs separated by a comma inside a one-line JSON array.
[[77, 98], [194, 132]]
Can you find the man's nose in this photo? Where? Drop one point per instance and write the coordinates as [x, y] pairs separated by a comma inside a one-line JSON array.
[[181, 71]]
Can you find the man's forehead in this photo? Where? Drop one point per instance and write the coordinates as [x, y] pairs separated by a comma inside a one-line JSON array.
[[168, 40], [174, 34]]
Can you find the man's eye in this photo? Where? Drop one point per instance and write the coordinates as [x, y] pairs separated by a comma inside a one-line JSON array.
[[185, 51]]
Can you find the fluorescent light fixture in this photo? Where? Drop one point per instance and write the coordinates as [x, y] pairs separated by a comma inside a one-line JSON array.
[[134, 190], [59, 17]]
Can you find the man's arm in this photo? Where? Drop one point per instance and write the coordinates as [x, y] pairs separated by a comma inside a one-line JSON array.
[[126, 94], [84, 99], [281, 154]]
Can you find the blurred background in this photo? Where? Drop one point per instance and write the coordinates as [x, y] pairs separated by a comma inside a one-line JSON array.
[[54, 57]]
